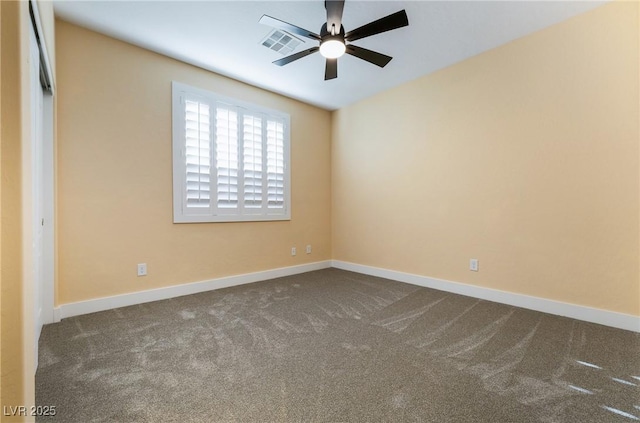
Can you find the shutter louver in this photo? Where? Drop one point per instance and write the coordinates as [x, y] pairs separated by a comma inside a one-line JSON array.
[[275, 164], [227, 157], [197, 154], [252, 161]]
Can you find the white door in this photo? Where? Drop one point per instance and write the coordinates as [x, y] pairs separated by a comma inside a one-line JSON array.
[[37, 97]]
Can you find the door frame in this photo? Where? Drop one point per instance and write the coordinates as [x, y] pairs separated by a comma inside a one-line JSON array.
[[46, 178]]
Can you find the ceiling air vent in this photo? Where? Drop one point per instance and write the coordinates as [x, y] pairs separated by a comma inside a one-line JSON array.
[[281, 41]]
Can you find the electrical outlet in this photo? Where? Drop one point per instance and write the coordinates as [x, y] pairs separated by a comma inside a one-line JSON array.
[[142, 269], [293, 251], [309, 249], [473, 265]]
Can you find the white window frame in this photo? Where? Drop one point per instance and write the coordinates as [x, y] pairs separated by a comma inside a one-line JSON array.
[[182, 214]]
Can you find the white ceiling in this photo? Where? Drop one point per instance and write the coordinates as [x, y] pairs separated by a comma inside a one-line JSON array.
[[225, 36]]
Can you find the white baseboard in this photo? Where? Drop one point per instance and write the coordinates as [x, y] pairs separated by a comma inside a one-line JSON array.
[[107, 303], [589, 314]]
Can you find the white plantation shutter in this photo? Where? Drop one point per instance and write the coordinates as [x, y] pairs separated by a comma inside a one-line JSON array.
[[252, 161], [197, 154], [227, 157], [275, 164], [230, 159]]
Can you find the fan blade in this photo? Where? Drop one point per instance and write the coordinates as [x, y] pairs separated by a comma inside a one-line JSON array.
[[368, 55], [296, 56], [331, 69], [334, 14], [393, 21], [277, 23]]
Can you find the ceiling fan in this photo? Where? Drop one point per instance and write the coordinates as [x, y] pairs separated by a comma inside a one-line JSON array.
[[334, 41]]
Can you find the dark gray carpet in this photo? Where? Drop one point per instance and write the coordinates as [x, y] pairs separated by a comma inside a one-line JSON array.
[[335, 346]]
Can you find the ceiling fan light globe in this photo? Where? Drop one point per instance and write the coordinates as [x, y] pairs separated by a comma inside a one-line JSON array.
[[332, 49]]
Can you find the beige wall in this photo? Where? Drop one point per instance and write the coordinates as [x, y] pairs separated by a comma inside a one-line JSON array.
[[115, 176], [525, 157], [1, 202]]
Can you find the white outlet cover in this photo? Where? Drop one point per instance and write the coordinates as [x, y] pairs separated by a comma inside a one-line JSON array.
[[473, 265]]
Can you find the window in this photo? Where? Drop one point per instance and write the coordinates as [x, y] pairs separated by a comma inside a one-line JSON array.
[[230, 159]]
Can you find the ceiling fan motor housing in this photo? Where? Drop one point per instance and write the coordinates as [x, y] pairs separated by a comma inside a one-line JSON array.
[[326, 35]]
